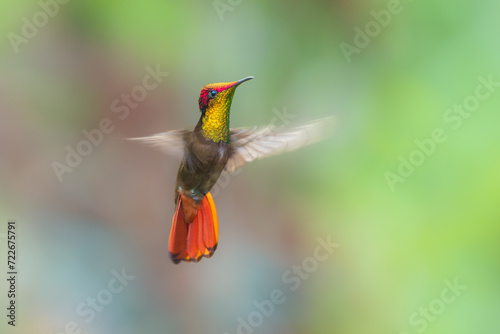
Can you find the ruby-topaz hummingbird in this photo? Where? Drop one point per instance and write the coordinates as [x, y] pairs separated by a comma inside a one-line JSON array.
[[211, 148]]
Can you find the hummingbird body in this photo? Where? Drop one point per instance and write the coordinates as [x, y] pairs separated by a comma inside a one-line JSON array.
[[207, 148], [204, 161], [211, 148]]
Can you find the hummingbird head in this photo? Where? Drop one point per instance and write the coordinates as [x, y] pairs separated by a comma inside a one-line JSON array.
[[215, 104]]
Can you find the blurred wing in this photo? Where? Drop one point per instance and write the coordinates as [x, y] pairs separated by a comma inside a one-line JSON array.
[[171, 142], [250, 144]]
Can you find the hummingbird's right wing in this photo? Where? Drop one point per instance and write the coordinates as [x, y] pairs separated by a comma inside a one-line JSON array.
[[248, 144], [171, 142]]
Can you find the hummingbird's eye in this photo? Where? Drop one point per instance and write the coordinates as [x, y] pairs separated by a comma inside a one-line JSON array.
[[212, 94]]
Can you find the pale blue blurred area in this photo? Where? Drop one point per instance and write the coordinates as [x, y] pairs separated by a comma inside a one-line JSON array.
[[113, 211]]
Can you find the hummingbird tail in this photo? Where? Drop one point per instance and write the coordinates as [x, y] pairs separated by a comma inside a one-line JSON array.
[[197, 239]]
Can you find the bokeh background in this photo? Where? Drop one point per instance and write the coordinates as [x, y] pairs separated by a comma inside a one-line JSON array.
[[397, 246]]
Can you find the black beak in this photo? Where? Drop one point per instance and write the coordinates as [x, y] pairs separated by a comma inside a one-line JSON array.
[[242, 81]]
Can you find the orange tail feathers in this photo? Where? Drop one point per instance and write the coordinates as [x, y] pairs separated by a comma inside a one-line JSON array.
[[190, 241]]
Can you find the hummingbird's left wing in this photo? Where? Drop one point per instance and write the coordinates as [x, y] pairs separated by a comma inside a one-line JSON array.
[[248, 144], [171, 142]]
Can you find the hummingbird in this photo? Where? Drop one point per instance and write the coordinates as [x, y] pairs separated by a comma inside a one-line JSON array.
[[209, 149]]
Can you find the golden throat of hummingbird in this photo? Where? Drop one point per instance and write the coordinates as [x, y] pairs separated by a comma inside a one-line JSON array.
[[215, 105]]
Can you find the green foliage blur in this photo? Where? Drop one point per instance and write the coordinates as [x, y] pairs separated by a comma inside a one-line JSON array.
[[412, 211]]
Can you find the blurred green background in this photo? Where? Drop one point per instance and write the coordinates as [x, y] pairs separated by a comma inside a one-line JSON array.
[[398, 247]]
